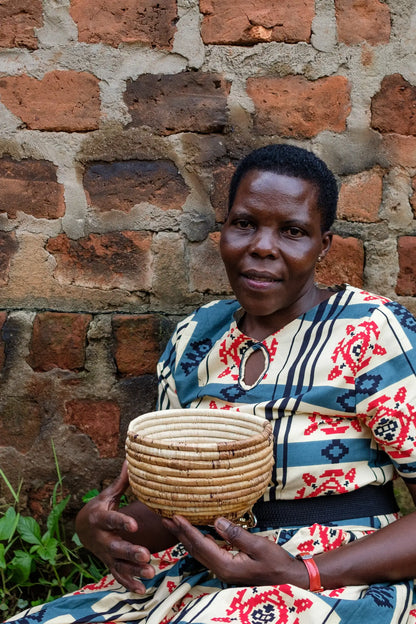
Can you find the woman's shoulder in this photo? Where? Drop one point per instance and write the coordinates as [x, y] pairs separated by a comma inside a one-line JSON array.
[[209, 319], [371, 304]]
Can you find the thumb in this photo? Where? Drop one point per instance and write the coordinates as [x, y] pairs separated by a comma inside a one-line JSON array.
[[115, 490], [232, 533]]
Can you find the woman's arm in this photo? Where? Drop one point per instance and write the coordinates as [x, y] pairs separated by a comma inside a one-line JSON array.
[[122, 539], [388, 554]]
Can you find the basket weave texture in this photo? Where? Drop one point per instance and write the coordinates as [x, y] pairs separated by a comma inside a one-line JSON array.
[[199, 463]]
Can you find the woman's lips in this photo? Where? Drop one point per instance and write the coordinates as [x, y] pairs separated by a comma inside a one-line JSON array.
[[259, 280]]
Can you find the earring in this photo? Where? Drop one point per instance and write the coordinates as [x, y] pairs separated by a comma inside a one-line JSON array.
[[319, 258]]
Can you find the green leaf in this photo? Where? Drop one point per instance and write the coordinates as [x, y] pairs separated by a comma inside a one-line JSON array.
[[8, 524], [20, 566], [55, 514], [48, 550], [2, 557], [29, 530], [90, 495]]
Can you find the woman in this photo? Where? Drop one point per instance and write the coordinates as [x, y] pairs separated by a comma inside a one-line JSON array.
[[334, 370]]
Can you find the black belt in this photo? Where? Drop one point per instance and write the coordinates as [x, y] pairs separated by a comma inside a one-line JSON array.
[[371, 500]]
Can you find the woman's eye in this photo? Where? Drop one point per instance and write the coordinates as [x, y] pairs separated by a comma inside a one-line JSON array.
[[243, 224], [295, 232]]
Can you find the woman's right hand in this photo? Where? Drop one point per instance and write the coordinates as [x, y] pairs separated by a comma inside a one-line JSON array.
[[112, 535]]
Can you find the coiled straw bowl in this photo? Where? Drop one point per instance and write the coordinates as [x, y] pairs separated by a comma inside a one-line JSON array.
[[199, 463]]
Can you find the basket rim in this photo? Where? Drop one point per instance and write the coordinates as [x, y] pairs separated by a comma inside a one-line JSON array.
[[197, 413]]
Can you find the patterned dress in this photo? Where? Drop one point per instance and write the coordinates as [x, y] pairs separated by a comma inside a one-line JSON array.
[[339, 387]]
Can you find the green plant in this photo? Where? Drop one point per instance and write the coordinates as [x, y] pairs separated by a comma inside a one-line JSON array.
[[39, 565]]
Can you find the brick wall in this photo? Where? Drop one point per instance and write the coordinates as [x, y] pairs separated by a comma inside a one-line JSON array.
[[120, 124]]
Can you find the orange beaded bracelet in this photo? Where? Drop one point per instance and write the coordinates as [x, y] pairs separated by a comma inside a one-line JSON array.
[[314, 576]]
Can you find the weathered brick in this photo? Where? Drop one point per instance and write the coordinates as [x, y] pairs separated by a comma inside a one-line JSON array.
[[360, 197], [8, 248], [66, 101], [106, 261], [362, 20], [58, 341], [254, 21], [206, 270], [185, 102], [406, 279], [99, 420], [3, 316], [219, 193], [20, 422], [170, 284], [121, 185], [343, 264], [30, 186], [399, 149], [150, 22], [393, 108], [18, 20], [296, 107], [136, 344]]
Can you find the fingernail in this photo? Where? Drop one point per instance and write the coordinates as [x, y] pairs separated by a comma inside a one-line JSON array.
[[222, 524]]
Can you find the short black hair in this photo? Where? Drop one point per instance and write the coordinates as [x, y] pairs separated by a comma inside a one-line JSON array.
[[285, 159]]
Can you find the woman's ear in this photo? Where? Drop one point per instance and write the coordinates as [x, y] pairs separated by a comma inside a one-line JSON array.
[[326, 244]]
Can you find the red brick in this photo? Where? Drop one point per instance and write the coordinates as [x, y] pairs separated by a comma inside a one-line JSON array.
[[99, 420], [219, 193], [360, 197], [406, 279], [206, 270], [3, 317], [58, 341], [30, 186], [67, 101], [399, 149], [20, 423], [343, 264], [185, 102], [256, 21], [121, 185], [296, 107], [136, 344], [393, 108], [18, 20], [362, 20], [106, 261], [8, 248], [150, 22]]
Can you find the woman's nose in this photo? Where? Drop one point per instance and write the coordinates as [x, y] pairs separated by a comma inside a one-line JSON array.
[[265, 243]]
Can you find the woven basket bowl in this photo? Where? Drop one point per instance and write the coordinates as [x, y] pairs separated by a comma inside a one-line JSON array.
[[199, 463]]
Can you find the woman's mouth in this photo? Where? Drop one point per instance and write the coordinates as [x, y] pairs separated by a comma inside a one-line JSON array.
[[259, 280]]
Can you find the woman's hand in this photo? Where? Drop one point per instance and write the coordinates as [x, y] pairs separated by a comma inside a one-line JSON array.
[[110, 534], [258, 561]]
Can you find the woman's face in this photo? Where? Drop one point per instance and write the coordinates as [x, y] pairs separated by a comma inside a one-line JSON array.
[[270, 244]]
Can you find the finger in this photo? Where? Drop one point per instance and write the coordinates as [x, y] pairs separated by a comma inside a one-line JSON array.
[[128, 577], [196, 543], [109, 520], [125, 551], [238, 537]]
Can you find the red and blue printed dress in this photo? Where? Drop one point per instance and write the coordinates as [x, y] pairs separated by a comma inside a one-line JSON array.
[[339, 385]]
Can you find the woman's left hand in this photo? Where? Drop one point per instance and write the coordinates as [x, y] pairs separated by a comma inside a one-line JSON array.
[[258, 561]]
